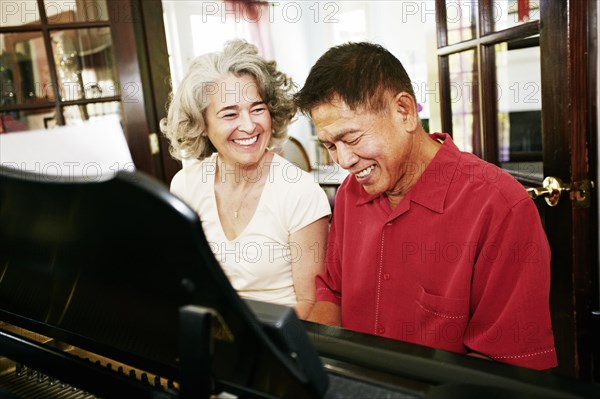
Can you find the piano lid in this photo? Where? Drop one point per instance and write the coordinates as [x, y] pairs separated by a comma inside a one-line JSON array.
[[107, 266]]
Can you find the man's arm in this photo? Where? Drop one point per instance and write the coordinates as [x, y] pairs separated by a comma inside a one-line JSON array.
[[510, 320], [309, 263], [325, 312]]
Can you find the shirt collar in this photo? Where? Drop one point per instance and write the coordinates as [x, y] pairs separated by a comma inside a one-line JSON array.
[[431, 189]]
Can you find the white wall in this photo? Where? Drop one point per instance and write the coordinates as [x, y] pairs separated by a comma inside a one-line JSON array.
[[297, 43], [389, 23], [302, 31]]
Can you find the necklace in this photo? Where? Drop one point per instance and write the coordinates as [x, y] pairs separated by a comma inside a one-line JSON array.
[[245, 194]]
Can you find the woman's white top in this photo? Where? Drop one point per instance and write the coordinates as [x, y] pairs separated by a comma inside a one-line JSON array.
[[258, 262]]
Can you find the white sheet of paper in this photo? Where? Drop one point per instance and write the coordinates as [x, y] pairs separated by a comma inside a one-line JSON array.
[[93, 151]]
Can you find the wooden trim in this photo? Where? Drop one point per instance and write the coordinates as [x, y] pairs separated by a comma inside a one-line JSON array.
[[159, 81], [577, 67], [555, 127], [489, 112], [28, 106], [516, 32], [553, 55], [486, 21], [580, 170], [144, 62], [442, 26], [528, 42], [445, 103], [128, 65], [50, 26], [52, 104], [458, 47], [86, 101], [60, 118], [569, 294], [592, 130]]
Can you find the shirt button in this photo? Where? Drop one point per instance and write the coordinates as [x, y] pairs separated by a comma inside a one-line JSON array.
[[380, 330], [389, 223], [386, 276]]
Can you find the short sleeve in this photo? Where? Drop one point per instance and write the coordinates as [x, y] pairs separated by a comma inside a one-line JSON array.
[[178, 184], [305, 200], [510, 313]]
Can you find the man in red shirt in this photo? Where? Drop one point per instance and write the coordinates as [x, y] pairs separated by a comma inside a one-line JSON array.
[[428, 244]]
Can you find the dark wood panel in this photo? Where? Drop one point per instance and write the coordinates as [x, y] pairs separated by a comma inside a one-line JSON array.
[[440, 21], [489, 101], [143, 62], [514, 33], [60, 119], [124, 22], [159, 75], [445, 103], [563, 129], [555, 128], [580, 170], [592, 123]]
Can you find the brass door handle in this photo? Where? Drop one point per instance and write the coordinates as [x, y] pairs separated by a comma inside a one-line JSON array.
[[580, 192], [551, 190]]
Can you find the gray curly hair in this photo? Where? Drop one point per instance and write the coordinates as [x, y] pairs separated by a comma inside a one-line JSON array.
[[185, 120]]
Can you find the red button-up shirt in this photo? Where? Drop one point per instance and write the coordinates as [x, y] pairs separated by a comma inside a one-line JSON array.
[[461, 264]]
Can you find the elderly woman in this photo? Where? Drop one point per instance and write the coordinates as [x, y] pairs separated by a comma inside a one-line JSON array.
[[265, 219]]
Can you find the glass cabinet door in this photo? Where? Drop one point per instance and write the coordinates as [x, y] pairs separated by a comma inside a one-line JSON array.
[[464, 100], [519, 103], [58, 67], [517, 90]]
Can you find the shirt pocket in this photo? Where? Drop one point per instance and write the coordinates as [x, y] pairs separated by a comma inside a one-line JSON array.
[[441, 321]]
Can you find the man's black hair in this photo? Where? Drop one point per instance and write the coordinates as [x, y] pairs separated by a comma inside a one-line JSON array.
[[363, 75]]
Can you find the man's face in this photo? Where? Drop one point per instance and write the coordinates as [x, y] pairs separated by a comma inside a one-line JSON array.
[[374, 147]]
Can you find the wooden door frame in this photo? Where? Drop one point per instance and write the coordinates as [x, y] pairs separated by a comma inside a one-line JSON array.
[[564, 55], [568, 60], [143, 65], [159, 77], [592, 136]]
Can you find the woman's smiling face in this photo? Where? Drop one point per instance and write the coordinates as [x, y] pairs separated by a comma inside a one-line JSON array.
[[238, 121]]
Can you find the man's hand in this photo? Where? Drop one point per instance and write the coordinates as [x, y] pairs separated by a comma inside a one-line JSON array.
[[326, 313], [479, 355]]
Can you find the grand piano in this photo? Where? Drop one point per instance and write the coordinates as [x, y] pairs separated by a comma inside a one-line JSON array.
[[109, 289]]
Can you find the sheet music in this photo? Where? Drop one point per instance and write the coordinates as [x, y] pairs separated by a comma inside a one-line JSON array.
[[93, 151]]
